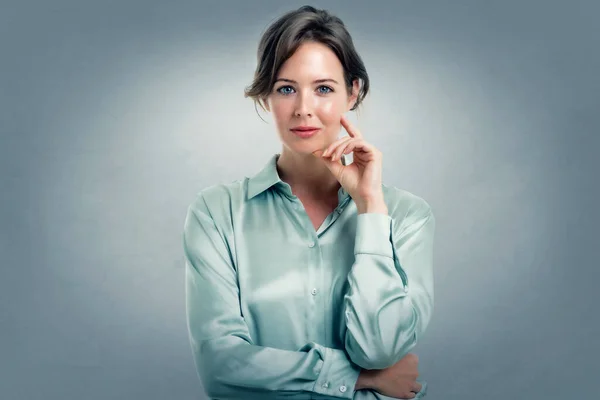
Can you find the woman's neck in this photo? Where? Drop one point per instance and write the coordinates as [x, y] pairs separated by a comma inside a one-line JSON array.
[[307, 175]]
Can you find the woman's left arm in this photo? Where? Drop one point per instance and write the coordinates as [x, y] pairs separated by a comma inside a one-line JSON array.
[[389, 301], [390, 297]]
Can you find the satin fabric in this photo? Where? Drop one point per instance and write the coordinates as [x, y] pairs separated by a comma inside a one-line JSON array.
[[276, 309]]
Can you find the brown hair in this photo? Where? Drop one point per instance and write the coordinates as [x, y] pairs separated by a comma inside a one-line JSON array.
[[287, 33]]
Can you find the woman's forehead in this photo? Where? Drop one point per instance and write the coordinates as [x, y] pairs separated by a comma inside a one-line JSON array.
[[311, 62]]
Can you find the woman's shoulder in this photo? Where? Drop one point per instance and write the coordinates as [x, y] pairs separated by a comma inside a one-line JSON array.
[[219, 196], [404, 204]]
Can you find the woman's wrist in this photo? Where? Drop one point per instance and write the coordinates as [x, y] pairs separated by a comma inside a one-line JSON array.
[[364, 380]]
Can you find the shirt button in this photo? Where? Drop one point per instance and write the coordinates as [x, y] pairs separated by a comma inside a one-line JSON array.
[[342, 388], [314, 291], [311, 244], [405, 289], [326, 385]]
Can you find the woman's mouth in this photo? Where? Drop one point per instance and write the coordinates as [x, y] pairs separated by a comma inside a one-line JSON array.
[[305, 132]]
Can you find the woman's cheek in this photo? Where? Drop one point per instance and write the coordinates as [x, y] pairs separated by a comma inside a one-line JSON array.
[[330, 111], [280, 112]]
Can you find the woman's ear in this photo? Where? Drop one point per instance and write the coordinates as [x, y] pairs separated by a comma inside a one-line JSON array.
[[353, 97]]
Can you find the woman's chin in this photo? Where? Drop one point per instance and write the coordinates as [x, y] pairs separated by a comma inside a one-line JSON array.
[[306, 146], [305, 150]]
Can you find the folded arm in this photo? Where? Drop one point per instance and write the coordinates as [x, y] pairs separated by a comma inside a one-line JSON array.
[[229, 364], [389, 302]]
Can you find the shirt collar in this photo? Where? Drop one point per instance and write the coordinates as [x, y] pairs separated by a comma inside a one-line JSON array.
[[266, 178], [269, 177]]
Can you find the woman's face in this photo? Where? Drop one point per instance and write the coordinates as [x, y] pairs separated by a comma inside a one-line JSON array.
[[310, 92]]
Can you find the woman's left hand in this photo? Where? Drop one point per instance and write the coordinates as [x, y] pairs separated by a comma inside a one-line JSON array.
[[361, 179]]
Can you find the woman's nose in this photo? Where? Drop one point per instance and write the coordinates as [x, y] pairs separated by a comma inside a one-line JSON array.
[[304, 105]]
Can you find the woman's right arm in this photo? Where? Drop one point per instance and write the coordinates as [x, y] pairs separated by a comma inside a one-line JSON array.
[[229, 364]]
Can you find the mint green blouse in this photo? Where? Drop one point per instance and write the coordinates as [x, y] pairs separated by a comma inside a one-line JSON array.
[[276, 309]]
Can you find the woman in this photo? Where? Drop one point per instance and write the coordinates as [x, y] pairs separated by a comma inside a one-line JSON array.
[[310, 279]]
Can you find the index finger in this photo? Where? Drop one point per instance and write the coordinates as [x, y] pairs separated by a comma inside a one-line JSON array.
[[352, 131]]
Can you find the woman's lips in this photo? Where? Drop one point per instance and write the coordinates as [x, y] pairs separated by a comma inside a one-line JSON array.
[[305, 133]]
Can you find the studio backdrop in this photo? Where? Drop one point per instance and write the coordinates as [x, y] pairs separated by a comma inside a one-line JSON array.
[[113, 115]]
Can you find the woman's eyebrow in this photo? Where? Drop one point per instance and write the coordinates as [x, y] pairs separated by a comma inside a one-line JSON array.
[[315, 81]]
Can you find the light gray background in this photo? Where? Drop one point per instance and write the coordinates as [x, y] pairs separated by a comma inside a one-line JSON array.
[[113, 114]]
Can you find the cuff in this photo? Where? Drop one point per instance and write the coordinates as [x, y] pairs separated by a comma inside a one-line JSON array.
[[423, 390], [338, 375], [373, 233]]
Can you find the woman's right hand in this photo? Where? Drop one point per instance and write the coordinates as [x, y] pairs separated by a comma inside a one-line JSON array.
[[399, 380]]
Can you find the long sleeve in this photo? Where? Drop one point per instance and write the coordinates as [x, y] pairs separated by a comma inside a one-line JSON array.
[[229, 364], [389, 302]]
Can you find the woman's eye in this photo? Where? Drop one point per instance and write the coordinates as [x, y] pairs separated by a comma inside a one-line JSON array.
[[285, 90]]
